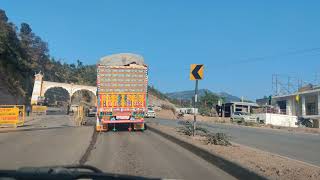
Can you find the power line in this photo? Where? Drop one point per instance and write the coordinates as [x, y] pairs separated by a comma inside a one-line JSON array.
[[290, 53]]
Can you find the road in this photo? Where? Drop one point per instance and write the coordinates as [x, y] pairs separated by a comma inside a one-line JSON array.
[[299, 146], [149, 155], [42, 142], [55, 140]]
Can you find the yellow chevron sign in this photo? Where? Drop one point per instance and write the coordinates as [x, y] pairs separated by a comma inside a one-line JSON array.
[[196, 71]]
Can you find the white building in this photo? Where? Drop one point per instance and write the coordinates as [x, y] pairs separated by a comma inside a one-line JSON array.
[[304, 104], [187, 110]]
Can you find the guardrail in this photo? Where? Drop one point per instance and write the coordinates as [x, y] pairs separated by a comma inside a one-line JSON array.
[[13, 115]]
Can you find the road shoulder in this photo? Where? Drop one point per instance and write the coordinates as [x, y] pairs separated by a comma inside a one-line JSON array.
[[263, 163]]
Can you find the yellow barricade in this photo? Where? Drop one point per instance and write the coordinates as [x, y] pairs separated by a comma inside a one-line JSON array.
[[12, 115], [39, 109]]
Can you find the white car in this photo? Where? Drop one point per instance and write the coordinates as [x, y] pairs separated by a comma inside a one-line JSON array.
[[150, 113], [241, 117]]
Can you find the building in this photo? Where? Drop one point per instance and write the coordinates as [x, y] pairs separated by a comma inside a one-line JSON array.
[[304, 103], [229, 108], [187, 110]]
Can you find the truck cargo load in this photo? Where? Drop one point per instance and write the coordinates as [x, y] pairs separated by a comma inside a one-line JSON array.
[[122, 82]]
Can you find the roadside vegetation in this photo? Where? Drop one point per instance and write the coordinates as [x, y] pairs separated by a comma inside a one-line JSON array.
[[207, 103], [23, 53], [209, 137]]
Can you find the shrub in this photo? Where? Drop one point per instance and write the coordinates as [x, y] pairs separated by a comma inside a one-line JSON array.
[[168, 107], [211, 138]]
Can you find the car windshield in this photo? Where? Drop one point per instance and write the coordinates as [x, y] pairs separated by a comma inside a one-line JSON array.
[[170, 89]]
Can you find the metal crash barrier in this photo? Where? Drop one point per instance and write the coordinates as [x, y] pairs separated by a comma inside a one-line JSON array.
[[39, 110], [12, 115]]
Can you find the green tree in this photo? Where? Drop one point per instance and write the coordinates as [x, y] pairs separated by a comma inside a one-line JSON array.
[[23, 53], [207, 103]]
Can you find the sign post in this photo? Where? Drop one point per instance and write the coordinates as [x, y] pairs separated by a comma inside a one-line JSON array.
[[194, 107], [196, 73]]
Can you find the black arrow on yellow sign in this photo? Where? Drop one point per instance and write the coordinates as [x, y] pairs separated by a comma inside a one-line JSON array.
[[196, 71]]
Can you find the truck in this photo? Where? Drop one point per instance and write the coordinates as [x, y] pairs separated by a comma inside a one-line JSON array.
[[122, 85]]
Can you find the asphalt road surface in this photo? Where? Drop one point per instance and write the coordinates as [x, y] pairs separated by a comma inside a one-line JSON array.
[[149, 155], [55, 140], [42, 142], [300, 146]]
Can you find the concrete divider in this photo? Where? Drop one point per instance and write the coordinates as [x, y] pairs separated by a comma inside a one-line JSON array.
[[231, 168]]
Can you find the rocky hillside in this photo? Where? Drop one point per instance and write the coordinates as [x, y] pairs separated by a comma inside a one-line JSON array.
[[159, 99]]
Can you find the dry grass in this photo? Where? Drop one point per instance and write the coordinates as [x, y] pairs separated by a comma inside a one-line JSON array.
[[209, 137]]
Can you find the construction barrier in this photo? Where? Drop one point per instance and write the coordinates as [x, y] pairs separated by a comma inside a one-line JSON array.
[[39, 110], [12, 115]]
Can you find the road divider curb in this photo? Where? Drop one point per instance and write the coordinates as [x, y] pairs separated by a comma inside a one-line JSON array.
[[229, 167]]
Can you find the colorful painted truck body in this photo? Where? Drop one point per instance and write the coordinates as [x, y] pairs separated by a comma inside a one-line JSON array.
[[121, 96]]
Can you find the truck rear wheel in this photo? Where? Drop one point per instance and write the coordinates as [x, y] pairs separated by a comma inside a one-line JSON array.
[[139, 126]]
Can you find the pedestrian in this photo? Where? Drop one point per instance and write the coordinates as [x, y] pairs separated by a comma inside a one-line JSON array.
[[28, 110], [68, 109]]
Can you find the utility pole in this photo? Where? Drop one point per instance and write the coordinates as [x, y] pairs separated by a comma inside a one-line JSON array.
[[277, 86], [289, 85]]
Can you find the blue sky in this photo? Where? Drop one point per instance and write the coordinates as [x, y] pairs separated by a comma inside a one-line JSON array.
[[228, 37]]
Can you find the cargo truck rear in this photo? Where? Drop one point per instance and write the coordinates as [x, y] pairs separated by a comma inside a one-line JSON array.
[[121, 93]]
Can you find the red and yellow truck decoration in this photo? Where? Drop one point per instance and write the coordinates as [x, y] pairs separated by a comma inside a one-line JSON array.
[[122, 83]]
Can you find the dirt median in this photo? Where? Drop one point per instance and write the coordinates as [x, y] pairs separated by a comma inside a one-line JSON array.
[[167, 114], [266, 164]]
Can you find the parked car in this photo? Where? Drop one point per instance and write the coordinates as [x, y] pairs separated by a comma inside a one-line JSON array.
[[150, 113], [73, 108], [241, 117], [91, 112]]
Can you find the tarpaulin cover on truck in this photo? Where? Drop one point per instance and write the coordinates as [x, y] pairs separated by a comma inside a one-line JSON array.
[[122, 59]]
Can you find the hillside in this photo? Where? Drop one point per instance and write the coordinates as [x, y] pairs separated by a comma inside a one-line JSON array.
[[228, 97], [5, 96], [22, 54], [157, 98], [188, 95]]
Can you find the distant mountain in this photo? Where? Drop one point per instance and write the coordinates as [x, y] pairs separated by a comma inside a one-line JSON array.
[[187, 95], [228, 97]]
